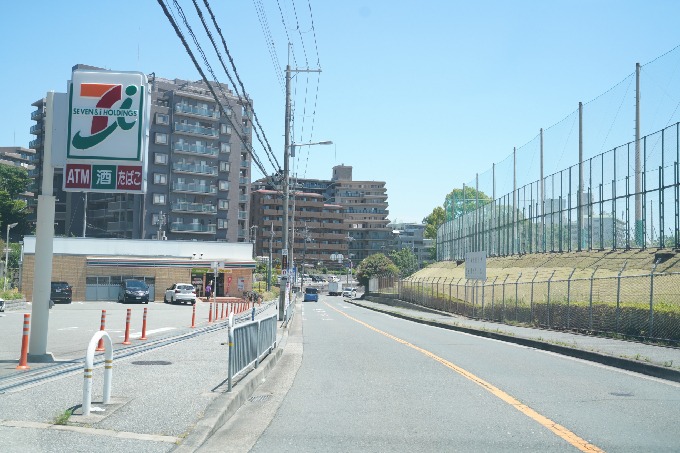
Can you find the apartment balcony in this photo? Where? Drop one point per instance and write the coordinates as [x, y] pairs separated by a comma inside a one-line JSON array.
[[192, 169], [36, 128], [177, 227], [35, 143], [242, 233], [243, 214], [196, 131], [194, 208], [179, 187], [36, 114], [243, 180], [246, 130], [118, 226], [248, 114], [243, 198], [99, 214], [185, 148], [245, 164], [190, 110]]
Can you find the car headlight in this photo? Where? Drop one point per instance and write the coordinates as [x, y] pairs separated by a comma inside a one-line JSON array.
[[127, 291]]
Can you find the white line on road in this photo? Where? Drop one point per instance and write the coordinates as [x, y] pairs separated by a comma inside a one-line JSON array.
[[96, 431], [68, 328], [149, 332]]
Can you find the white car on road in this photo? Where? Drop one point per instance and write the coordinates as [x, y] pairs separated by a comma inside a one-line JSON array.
[[180, 292]]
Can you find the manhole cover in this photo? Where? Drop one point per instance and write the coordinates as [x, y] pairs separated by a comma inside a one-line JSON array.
[[622, 394], [259, 399], [151, 362]]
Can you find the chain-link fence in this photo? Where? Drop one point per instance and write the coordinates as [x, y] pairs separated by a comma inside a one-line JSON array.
[[627, 197], [638, 306]]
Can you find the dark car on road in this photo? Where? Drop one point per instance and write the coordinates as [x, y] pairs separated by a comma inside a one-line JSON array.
[[133, 291], [61, 292]]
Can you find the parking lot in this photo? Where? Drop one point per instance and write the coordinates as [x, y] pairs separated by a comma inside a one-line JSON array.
[[72, 326]]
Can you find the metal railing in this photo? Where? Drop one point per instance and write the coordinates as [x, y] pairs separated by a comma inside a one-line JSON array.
[[185, 108], [643, 306], [192, 227], [193, 168], [182, 187], [193, 207], [248, 343], [199, 130], [195, 149]]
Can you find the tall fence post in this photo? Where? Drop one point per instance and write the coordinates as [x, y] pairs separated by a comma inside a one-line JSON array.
[[532, 290], [651, 300], [516, 294], [590, 322], [457, 298], [483, 284], [569, 295], [493, 296], [618, 295], [547, 311], [450, 304], [506, 277]]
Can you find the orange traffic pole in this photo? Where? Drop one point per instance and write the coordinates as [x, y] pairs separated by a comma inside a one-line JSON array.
[[24, 346], [127, 328], [100, 346], [193, 318], [222, 310], [144, 326], [210, 314]]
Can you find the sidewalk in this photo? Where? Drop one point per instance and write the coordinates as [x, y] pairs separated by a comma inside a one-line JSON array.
[[164, 393], [663, 356]]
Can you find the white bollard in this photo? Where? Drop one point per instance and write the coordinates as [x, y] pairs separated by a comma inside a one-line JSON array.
[[89, 367]]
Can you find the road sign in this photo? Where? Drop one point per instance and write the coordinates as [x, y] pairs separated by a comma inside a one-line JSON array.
[[475, 265]]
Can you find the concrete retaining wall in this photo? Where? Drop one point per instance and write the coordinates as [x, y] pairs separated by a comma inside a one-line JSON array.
[[17, 304]]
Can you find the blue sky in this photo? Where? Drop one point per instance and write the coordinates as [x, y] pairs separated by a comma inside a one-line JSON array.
[[422, 95]]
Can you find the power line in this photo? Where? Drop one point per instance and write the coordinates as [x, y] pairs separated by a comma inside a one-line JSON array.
[[314, 33], [264, 25], [285, 28], [304, 51], [179, 33], [267, 149]]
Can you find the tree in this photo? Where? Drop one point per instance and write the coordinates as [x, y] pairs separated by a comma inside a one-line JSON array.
[[374, 265], [405, 260], [14, 180], [12, 211]]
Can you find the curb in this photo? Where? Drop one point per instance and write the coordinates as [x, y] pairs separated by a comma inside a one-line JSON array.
[[226, 405], [647, 369]]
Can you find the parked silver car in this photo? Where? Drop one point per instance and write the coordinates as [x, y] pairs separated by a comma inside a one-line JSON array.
[[180, 292]]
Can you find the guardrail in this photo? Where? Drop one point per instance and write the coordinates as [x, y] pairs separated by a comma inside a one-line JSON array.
[[249, 342]]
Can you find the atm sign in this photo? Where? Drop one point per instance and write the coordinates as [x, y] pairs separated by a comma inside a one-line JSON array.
[[103, 178]]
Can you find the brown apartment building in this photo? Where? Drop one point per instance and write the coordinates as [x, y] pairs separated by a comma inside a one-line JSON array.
[[363, 206], [321, 224]]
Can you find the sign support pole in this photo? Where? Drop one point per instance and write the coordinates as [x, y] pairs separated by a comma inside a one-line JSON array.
[[44, 238]]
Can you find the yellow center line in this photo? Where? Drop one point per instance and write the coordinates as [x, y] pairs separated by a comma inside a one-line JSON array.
[[560, 430]]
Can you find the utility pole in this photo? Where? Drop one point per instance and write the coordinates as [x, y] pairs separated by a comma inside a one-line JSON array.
[[160, 235], [514, 199], [269, 270], [286, 158], [638, 162]]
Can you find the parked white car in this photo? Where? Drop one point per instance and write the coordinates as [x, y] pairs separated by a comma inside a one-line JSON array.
[[180, 292], [349, 292]]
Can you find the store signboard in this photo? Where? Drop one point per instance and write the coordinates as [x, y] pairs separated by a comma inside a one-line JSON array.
[[107, 132]]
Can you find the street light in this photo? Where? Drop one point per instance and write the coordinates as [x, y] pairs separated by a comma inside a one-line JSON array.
[[9, 227]]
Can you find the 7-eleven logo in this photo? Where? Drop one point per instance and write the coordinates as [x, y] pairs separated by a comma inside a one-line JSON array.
[[105, 118]]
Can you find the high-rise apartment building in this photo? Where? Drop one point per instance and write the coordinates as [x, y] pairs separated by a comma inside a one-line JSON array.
[[412, 236], [364, 207], [198, 182], [320, 229]]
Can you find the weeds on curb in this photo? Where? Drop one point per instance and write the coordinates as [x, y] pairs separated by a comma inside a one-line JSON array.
[[62, 419]]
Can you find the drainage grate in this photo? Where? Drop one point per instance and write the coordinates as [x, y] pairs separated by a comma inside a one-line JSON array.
[[622, 394], [259, 399], [151, 362]]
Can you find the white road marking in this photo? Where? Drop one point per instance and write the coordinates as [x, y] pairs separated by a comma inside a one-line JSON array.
[[149, 332], [68, 328]]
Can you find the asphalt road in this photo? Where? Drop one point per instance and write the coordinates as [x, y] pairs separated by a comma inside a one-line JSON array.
[[371, 382]]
